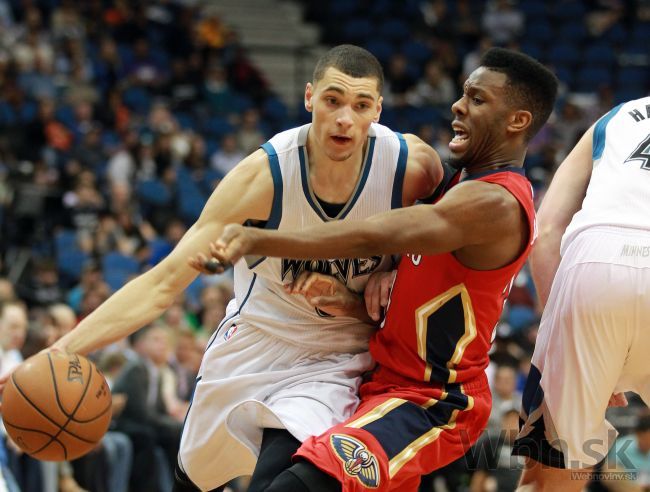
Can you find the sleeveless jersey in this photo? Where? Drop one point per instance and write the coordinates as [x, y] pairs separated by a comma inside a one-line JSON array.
[[259, 295], [619, 190], [440, 321]]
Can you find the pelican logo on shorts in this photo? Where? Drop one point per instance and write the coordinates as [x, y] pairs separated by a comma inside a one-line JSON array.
[[230, 332], [357, 461], [74, 370]]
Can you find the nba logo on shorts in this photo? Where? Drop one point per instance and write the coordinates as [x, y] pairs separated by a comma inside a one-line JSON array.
[[357, 460], [230, 333]]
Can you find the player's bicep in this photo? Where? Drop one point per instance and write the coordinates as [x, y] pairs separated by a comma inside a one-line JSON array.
[[247, 192], [475, 213], [423, 170]]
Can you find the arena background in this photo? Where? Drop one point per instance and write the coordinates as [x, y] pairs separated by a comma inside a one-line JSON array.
[[118, 118]]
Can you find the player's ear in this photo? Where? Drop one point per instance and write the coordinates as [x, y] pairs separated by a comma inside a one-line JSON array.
[[309, 94], [378, 109], [520, 121]]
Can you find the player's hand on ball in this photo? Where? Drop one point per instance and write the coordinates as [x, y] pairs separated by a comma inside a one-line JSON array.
[[326, 293], [377, 292]]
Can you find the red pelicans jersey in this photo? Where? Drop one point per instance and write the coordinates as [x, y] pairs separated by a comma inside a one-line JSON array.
[[441, 318]]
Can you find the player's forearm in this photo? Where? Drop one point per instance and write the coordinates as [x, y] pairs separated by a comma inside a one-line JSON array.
[[408, 230], [544, 261], [138, 303]]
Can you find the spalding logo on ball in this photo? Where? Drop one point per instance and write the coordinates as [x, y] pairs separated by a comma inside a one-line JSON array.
[[56, 406]]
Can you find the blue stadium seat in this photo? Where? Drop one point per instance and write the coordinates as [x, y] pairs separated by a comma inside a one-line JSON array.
[[117, 268], [569, 10], [153, 192], [599, 55], [395, 30], [590, 79], [383, 50], [564, 54], [137, 99], [572, 31], [357, 30], [539, 31], [417, 51], [534, 9]]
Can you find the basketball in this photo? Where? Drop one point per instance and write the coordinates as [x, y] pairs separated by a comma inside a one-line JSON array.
[[56, 406]]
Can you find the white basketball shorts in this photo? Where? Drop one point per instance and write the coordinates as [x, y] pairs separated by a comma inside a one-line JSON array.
[[594, 340], [249, 381]]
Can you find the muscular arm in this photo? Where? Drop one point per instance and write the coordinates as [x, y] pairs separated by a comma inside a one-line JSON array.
[[562, 200], [474, 213], [245, 193], [423, 170]]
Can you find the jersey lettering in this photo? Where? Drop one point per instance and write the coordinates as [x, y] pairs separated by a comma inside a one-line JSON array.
[[343, 270], [641, 153]]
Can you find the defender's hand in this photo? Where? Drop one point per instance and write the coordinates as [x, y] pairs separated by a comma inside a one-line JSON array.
[[617, 400], [377, 292], [235, 241], [326, 293]]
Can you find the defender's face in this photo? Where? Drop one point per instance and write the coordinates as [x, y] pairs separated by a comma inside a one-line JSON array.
[[480, 119], [342, 107]]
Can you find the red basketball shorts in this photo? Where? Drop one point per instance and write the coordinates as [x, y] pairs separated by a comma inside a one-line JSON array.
[[399, 433]]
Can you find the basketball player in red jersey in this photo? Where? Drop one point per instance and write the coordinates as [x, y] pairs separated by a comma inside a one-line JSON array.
[[429, 400]]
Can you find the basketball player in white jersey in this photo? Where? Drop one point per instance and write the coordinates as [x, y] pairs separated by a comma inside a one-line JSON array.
[[591, 266], [276, 361]]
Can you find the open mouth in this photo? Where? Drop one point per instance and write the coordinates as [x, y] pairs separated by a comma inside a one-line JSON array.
[[459, 142], [341, 139]]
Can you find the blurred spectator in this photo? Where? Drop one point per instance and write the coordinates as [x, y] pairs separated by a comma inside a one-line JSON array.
[[435, 89], [504, 395], [502, 22], [249, 136], [631, 453], [495, 468], [43, 287], [227, 156], [146, 418], [13, 331]]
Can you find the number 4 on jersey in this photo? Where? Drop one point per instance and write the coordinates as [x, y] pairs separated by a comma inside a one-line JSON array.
[[642, 153]]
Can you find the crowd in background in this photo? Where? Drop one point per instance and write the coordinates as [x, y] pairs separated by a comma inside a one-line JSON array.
[[118, 118]]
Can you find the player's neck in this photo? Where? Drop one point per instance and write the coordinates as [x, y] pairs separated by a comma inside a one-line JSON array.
[[334, 180]]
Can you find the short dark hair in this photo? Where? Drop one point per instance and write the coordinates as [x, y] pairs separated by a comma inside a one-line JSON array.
[[643, 424], [533, 87], [351, 60]]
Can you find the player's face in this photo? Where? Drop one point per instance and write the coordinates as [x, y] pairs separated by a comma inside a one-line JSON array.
[[342, 107], [480, 120]]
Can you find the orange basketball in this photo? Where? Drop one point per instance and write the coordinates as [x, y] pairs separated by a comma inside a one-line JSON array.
[[56, 406]]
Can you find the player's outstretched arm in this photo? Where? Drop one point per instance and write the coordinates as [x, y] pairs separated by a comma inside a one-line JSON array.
[[562, 200], [245, 193], [473, 213]]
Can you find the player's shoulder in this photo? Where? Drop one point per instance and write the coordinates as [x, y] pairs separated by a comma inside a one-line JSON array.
[[287, 140]]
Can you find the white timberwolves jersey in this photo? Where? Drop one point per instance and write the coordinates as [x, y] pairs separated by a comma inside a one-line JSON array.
[[619, 191], [260, 299]]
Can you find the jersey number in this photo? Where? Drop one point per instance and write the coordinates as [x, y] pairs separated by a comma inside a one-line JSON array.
[[642, 153]]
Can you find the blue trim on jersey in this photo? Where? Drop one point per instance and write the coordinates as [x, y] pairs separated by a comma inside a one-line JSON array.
[[189, 407], [600, 131], [276, 208], [304, 178], [400, 171], [364, 178], [250, 267], [225, 320]]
